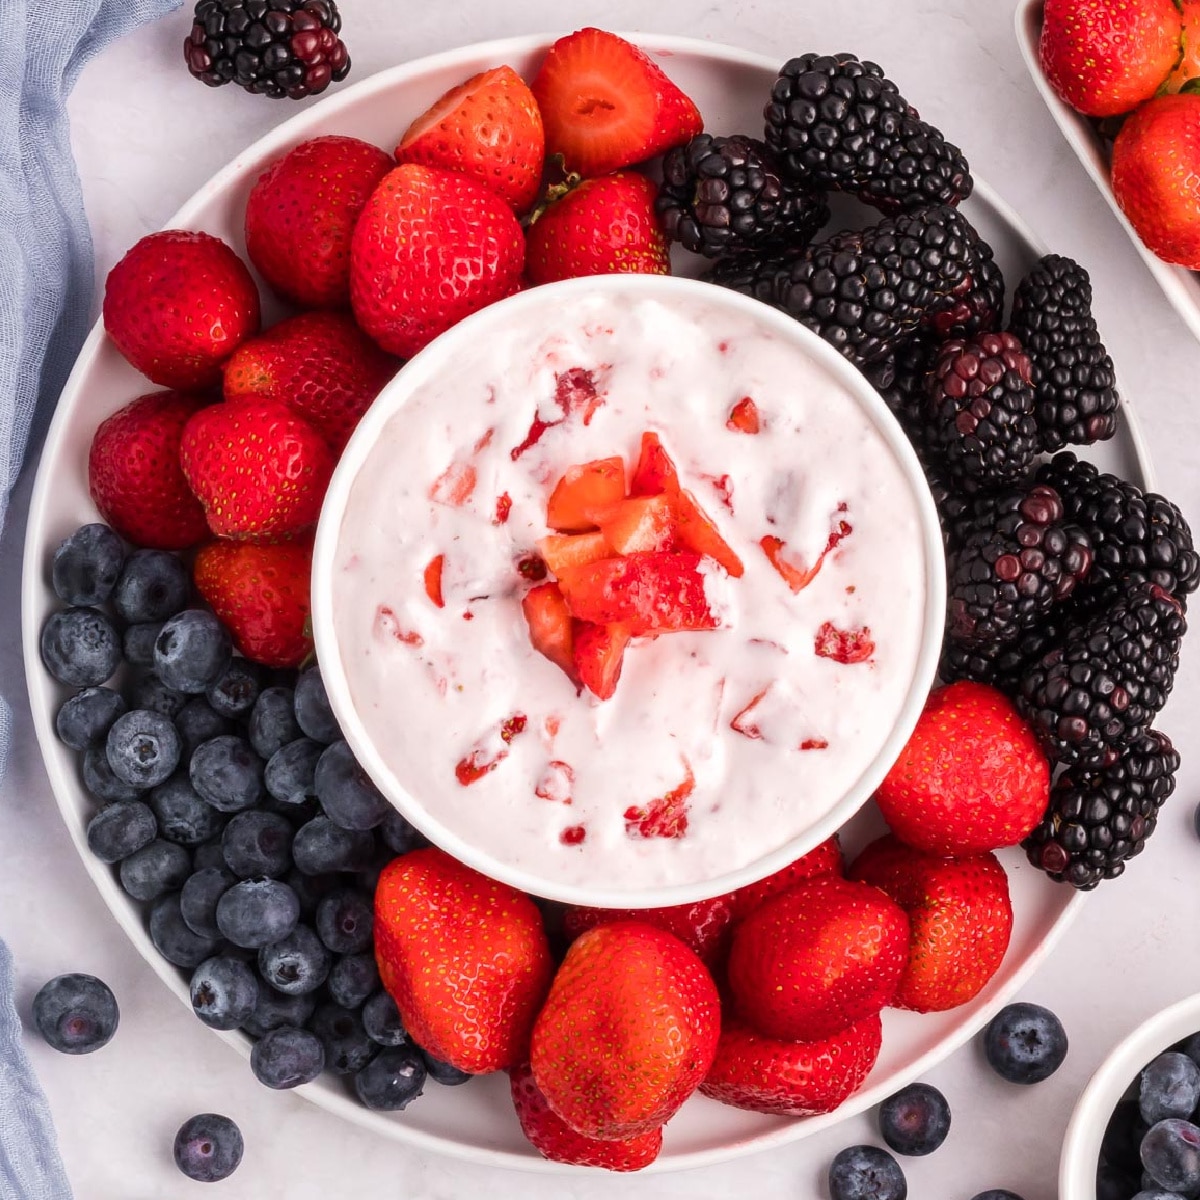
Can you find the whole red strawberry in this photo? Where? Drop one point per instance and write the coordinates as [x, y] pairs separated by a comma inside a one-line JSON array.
[[489, 128], [557, 1141], [959, 916], [604, 226], [300, 216], [134, 474], [798, 1079], [825, 859], [430, 248], [320, 364], [261, 594], [702, 926], [259, 470], [179, 304], [817, 958], [465, 958], [1104, 57], [971, 778], [627, 1032]]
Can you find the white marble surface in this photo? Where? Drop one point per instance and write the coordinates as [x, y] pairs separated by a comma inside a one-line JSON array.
[[146, 137]]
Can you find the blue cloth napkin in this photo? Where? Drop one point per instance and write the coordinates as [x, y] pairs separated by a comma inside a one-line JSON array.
[[46, 269]]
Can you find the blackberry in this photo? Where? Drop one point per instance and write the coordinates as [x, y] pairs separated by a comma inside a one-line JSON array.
[[1099, 819], [1136, 536], [1072, 372], [1005, 578], [1002, 664], [977, 304], [275, 48], [900, 380], [1097, 691], [724, 194], [864, 291], [838, 123], [979, 413]]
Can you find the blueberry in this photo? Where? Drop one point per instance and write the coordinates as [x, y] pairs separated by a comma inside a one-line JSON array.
[[86, 565], [1169, 1086], [120, 830], [209, 854], [346, 792], [197, 721], [392, 1079], [352, 979], [291, 771], [1025, 1043], [313, 713], [227, 773], [287, 1057], [143, 748], [1112, 1184], [153, 585], [1171, 1155], [257, 912], [87, 716], [99, 779], [996, 1194], [224, 992], [443, 1072], [296, 964], [1191, 1045], [172, 937], [347, 1047], [235, 693], [1149, 1194], [311, 889], [137, 643], [208, 1147], [345, 920], [915, 1120], [199, 897], [193, 651], [866, 1173], [155, 869], [182, 816], [398, 835], [257, 844], [272, 722], [76, 1014], [274, 1010], [148, 691], [381, 1020], [322, 846], [80, 647], [1123, 1135]]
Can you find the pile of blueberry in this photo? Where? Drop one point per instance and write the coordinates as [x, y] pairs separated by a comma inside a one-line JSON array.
[[230, 806]]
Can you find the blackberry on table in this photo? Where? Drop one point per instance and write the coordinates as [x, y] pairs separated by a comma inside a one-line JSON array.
[[1099, 819], [837, 122], [724, 194]]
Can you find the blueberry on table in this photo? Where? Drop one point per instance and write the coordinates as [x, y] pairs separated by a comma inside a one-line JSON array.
[[199, 897], [99, 779], [381, 1020], [258, 844], [275, 1010], [443, 1072], [75, 1013], [346, 792], [346, 920], [224, 992], [227, 773], [235, 693], [149, 691], [86, 564], [347, 1047], [197, 721], [915, 1120], [182, 815], [120, 830], [296, 964], [291, 771], [80, 647], [321, 847], [1025, 1043], [153, 585], [287, 1057], [193, 651], [273, 722], [1171, 1155], [352, 978], [313, 713], [257, 912], [174, 939], [143, 748], [1169, 1086], [866, 1173], [88, 716], [155, 869], [208, 1147], [137, 643]]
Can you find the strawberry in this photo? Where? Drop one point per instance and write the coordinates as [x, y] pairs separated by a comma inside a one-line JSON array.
[[971, 778], [605, 104], [134, 475], [1104, 57], [301, 213], [549, 622], [465, 958], [605, 226], [743, 417], [665, 816], [589, 485], [259, 470], [825, 859], [1189, 63], [959, 919], [177, 305], [320, 364], [798, 1079], [489, 128], [261, 593], [430, 247], [597, 655], [562, 551], [1155, 162], [627, 1032], [702, 926], [654, 473], [817, 958], [557, 1141]]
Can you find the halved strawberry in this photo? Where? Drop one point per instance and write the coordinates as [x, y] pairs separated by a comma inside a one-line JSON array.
[[655, 472], [599, 652], [587, 486], [562, 551], [549, 622]]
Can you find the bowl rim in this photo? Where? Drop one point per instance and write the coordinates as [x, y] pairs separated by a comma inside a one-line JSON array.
[[562, 297]]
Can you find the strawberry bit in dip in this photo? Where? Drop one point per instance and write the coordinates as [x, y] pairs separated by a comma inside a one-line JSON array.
[[433, 580], [814, 744], [488, 754], [572, 835], [743, 417], [503, 508], [389, 623], [666, 816], [555, 783], [454, 486], [798, 577], [575, 391], [843, 645]]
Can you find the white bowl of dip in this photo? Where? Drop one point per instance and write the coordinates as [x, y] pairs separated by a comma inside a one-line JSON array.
[[419, 689]]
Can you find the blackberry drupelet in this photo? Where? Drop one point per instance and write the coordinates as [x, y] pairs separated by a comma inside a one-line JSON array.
[[977, 304], [1136, 536], [1072, 372], [275, 48], [1007, 577], [1098, 690], [979, 411], [1098, 820], [837, 122], [724, 194]]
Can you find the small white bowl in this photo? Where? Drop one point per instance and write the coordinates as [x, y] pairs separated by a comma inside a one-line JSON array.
[[1081, 1143], [540, 308]]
